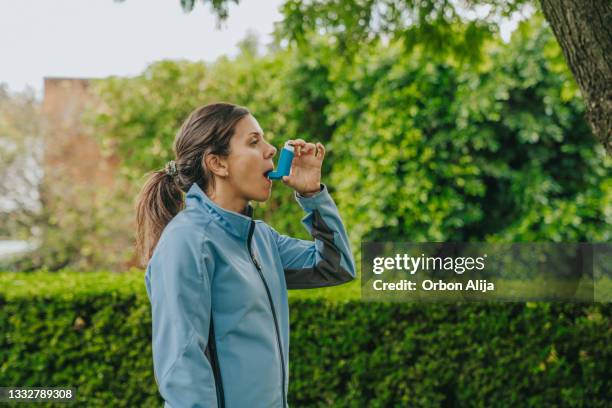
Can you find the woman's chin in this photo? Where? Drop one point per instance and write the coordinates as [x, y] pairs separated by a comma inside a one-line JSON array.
[[267, 196], [263, 196]]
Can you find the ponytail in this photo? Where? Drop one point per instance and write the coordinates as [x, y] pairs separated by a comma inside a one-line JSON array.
[[158, 202]]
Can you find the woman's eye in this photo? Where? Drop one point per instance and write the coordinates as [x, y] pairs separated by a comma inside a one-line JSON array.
[[254, 142]]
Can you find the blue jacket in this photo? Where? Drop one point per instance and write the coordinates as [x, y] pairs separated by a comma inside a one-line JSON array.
[[217, 282]]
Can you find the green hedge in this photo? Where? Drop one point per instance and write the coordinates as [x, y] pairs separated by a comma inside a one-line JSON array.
[[92, 332]]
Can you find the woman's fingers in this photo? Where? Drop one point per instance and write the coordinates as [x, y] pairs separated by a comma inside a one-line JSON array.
[[297, 145], [301, 146], [298, 142], [320, 150], [310, 147], [307, 148], [287, 181]]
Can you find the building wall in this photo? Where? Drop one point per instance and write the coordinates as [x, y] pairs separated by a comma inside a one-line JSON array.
[[79, 184], [70, 149]]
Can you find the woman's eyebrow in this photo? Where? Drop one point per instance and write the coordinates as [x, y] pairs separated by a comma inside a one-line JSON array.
[[257, 134]]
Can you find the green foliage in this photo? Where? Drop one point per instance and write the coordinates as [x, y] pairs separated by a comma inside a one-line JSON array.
[[435, 355], [139, 117], [87, 331], [429, 151], [440, 27], [354, 23], [92, 331], [66, 223], [219, 7], [20, 155], [420, 148], [82, 226], [152, 106]]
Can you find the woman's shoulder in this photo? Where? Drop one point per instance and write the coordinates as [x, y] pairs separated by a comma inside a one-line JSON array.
[[263, 228], [182, 231]]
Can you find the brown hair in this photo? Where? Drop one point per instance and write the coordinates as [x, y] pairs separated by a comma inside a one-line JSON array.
[[207, 130]]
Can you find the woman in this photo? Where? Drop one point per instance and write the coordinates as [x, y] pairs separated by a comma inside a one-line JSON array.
[[217, 279]]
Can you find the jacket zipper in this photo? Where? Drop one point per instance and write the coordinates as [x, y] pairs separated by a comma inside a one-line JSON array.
[[215, 366], [278, 341]]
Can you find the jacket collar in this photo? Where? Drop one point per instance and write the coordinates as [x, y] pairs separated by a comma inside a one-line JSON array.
[[235, 223]]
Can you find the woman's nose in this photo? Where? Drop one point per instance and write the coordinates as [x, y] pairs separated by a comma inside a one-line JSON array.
[[271, 152]]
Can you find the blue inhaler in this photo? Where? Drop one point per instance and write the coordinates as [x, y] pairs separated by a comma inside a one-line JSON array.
[[284, 163]]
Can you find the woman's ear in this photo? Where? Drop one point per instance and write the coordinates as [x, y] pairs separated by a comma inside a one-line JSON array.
[[216, 165]]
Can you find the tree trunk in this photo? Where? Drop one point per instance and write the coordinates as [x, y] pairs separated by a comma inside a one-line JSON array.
[[584, 31]]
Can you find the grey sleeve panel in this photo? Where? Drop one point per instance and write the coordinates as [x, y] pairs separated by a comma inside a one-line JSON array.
[[326, 261], [328, 271]]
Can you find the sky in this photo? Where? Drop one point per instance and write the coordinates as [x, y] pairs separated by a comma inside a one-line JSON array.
[[98, 38]]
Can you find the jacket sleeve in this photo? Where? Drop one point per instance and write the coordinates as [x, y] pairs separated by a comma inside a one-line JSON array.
[[326, 261], [179, 291]]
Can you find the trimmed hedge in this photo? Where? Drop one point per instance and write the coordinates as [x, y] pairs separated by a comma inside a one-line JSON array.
[[92, 331]]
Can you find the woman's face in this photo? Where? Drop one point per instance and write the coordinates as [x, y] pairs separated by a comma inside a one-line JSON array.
[[250, 157]]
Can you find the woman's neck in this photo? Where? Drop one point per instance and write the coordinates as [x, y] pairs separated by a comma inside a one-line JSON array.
[[227, 200]]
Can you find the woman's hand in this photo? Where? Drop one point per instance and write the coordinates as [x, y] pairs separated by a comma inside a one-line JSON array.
[[305, 175]]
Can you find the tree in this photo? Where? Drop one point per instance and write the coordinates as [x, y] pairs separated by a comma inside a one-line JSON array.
[[64, 223], [584, 30], [20, 156]]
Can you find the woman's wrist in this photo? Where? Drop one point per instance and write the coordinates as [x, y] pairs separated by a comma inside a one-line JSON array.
[[307, 194]]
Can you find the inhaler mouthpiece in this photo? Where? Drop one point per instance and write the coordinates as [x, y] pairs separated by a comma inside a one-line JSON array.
[[284, 163]]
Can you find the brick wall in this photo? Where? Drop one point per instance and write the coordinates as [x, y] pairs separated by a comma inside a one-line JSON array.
[[70, 149], [76, 174]]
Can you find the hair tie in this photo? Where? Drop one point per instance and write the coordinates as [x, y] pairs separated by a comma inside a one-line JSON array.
[[171, 168]]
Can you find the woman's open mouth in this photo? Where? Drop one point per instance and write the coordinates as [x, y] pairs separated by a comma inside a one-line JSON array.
[[268, 181]]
